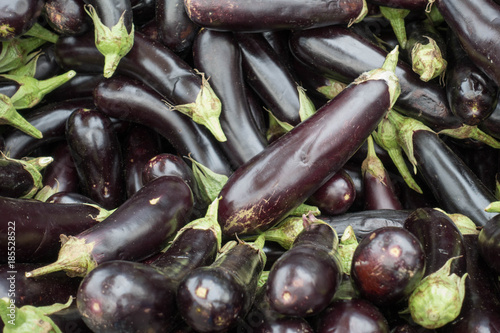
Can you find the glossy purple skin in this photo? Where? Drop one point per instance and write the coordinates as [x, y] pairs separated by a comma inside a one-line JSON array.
[[124, 296], [387, 265], [15, 180], [336, 196], [404, 4], [50, 119], [253, 199], [61, 174], [451, 181], [18, 16], [67, 17], [380, 194], [325, 50], [70, 198], [266, 15], [353, 315], [218, 55], [489, 243], [38, 226], [477, 27], [96, 151]]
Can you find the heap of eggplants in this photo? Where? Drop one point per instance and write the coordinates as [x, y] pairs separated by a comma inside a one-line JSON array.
[[298, 127]]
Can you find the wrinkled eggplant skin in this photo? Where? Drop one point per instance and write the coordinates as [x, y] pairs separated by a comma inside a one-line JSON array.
[[387, 265], [18, 16], [249, 16], [478, 30], [49, 119], [351, 315], [481, 304], [217, 54], [440, 239], [67, 17], [40, 291], [252, 199], [456, 188], [15, 180], [109, 298], [95, 148], [38, 226], [325, 49], [489, 243], [154, 213], [187, 137]]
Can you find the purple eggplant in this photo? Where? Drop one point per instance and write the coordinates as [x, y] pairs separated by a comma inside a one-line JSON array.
[[404, 4], [256, 196], [70, 198], [96, 151], [303, 281], [489, 242], [61, 175], [81, 86], [66, 17], [218, 55], [18, 16], [139, 228], [273, 15], [115, 97], [387, 265], [38, 225]]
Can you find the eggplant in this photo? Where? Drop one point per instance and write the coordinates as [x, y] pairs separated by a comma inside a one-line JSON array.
[[271, 15], [471, 94], [96, 151], [482, 302], [139, 228], [488, 242], [256, 197], [115, 98], [143, 11], [352, 315], [215, 298], [61, 174], [387, 265], [81, 86], [325, 50], [477, 30], [404, 4], [440, 237], [269, 77], [66, 17], [18, 16], [336, 196], [176, 30], [70, 198], [218, 55], [303, 281], [50, 119], [155, 65], [45, 290], [37, 226], [140, 146]]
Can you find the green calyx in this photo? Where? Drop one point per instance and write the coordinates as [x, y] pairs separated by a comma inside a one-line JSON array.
[[113, 43], [307, 107], [372, 164], [285, 232], [464, 224], [276, 127], [362, 14], [438, 298], [205, 110], [331, 90], [471, 132], [17, 52], [37, 30], [10, 116], [74, 258], [209, 183], [396, 17], [347, 245], [427, 60]]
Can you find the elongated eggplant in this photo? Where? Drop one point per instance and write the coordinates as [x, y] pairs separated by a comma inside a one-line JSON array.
[[325, 49], [351, 315], [37, 226], [215, 298], [218, 55], [115, 97], [66, 17], [176, 30], [303, 281], [70, 198], [477, 29], [269, 77], [96, 151], [256, 197], [81, 86], [18, 16], [440, 238], [50, 119], [489, 242], [157, 66], [272, 15], [137, 229], [141, 145], [195, 245], [61, 174], [45, 290], [471, 94], [387, 265]]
